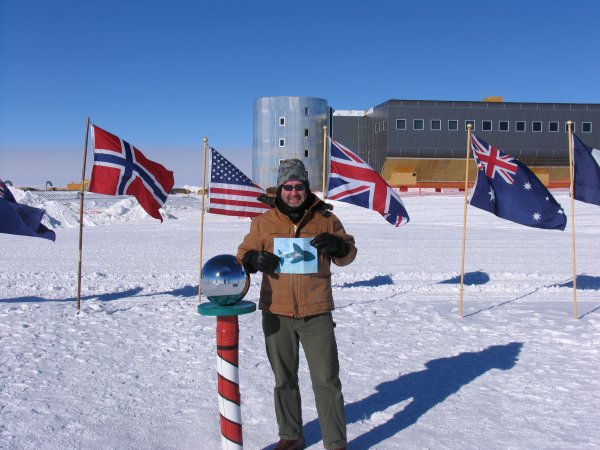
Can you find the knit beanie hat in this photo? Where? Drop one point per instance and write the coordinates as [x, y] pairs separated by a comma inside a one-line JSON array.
[[292, 169]]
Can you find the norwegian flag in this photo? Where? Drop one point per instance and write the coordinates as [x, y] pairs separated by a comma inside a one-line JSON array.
[[230, 192], [121, 169], [509, 189], [352, 180]]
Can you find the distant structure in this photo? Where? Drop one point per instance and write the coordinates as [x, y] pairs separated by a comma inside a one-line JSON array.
[[423, 143], [77, 186], [419, 143], [288, 127]]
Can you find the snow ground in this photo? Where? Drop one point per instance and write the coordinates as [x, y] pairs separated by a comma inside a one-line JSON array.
[[136, 368]]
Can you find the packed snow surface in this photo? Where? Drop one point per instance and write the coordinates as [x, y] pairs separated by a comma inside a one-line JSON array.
[[136, 369]]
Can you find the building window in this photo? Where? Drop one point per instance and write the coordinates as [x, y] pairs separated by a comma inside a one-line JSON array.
[[282, 142], [553, 127], [536, 127], [418, 124], [376, 127], [384, 123], [586, 127], [572, 127], [520, 126], [282, 121], [400, 124], [306, 111], [453, 125], [306, 153], [436, 124], [503, 125], [472, 122], [306, 132], [486, 125]]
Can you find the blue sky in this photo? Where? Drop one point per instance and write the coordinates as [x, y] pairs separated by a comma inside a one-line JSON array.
[[164, 74]]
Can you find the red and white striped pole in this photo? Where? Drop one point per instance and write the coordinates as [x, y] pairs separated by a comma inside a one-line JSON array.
[[224, 282], [228, 332]]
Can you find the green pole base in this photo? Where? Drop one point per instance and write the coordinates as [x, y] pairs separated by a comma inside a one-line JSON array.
[[237, 309]]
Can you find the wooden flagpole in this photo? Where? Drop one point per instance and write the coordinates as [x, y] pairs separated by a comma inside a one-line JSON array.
[[324, 161], [202, 219], [81, 195], [572, 192], [464, 237]]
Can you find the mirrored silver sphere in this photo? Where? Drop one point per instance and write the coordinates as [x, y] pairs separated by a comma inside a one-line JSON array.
[[223, 280]]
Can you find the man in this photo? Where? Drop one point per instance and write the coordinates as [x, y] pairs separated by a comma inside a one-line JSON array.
[[297, 307]]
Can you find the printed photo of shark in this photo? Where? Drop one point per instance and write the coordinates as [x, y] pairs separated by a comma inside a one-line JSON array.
[[298, 254]]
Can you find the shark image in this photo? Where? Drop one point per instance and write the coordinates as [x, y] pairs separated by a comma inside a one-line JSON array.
[[297, 255]]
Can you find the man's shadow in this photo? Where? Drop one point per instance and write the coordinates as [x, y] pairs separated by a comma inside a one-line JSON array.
[[427, 388]]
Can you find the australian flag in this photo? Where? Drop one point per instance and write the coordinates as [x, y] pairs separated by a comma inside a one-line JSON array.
[[352, 180], [586, 183], [23, 220], [509, 189], [121, 169]]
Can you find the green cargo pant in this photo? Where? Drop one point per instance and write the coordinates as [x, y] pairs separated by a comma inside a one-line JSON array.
[[316, 334]]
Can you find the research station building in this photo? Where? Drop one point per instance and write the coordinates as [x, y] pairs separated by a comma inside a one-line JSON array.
[[420, 143]]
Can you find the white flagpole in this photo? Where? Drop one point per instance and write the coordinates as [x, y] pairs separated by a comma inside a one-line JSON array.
[[572, 192], [464, 237], [202, 220]]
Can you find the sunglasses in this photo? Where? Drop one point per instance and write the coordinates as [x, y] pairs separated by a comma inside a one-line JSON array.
[[290, 187]]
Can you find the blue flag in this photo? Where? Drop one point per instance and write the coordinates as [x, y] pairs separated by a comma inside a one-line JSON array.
[[20, 219], [509, 189], [586, 183]]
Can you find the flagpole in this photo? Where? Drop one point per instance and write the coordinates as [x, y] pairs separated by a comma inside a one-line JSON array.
[[81, 195], [202, 218], [464, 237], [324, 161], [572, 192]]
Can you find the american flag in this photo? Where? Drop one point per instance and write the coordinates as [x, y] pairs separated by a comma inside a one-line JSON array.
[[231, 192], [352, 180], [509, 189], [121, 169]]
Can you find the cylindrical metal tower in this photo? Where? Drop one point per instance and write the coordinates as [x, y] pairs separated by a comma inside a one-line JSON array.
[[288, 127]]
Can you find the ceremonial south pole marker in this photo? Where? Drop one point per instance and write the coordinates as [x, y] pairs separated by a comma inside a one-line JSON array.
[[224, 282]]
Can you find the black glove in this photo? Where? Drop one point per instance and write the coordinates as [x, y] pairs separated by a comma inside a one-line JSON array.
[[264, 261], [330, 245]]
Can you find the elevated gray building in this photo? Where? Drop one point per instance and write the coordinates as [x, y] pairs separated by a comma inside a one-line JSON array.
[[419, 142], [288, 127], [422, 141]]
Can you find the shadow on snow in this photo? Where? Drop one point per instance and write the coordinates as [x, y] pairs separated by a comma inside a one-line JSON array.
[[471, 278], [584, 282], [379, 280], [186, 291], [427, 388]]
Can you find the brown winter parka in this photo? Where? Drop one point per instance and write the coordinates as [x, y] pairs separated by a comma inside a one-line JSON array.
[[296, 295]]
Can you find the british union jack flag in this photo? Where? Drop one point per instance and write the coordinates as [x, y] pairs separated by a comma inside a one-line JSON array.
[[509, 189], [493, 161], [121, 169], [352, 180]]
